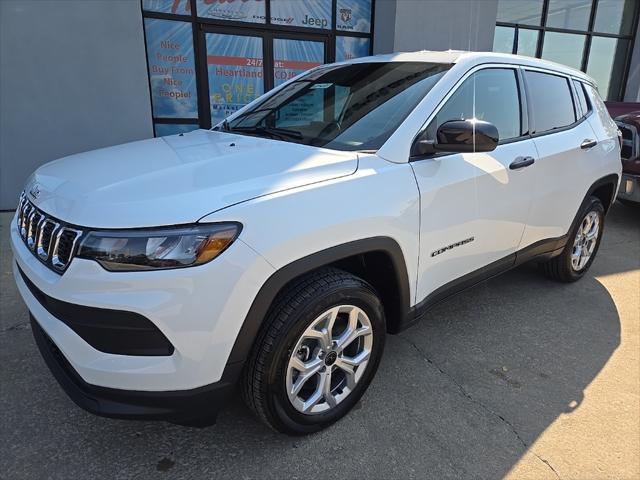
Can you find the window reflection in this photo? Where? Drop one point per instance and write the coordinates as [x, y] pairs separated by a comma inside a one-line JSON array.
[[165, 129], [607, 57], [570, 14], [527, 42], [565, 48], [525, 12], [615, 16], [503, 39]]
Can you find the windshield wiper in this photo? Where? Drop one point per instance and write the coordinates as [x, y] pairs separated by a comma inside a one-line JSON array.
[[282, 133]]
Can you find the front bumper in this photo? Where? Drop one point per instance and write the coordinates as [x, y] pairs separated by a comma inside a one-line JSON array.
[[629, 188], [199, 310], [194, 407]]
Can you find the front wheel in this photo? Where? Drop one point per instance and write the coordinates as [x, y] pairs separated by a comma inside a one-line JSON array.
[[317, 353], [582, 245]]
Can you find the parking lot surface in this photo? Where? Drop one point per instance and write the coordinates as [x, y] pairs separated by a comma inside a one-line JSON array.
[[519, 377]]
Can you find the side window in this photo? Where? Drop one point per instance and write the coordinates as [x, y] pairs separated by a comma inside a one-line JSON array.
[[551, 101], [584, 104], [490, 95]]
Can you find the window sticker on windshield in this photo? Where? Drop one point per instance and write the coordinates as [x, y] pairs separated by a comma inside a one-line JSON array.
[[321, 85]]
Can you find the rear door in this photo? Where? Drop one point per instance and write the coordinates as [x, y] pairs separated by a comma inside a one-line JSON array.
[[473, 205], [568, 153]]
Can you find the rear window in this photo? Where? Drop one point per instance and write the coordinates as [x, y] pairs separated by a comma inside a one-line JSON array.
[[551, 101]]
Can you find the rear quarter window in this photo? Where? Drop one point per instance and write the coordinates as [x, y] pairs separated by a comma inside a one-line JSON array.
[[583, 102], [600, 108], [551, 101]]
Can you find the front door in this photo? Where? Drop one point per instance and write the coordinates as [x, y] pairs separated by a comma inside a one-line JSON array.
[[474, 206]]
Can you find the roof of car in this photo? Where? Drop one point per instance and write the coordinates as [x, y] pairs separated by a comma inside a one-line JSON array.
[[473, 58]]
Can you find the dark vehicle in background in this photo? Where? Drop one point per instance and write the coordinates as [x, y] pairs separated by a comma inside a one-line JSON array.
[[629, 125]]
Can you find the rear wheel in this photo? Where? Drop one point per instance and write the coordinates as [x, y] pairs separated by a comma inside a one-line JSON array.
[[317, 353], [582, 245]]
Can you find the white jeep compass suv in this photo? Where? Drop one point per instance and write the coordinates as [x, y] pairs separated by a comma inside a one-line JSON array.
[[277, 250]]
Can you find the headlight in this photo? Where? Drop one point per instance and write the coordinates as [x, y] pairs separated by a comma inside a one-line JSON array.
[[152, 249]]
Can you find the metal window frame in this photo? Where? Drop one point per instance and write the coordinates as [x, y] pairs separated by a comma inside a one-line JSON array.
[[589, 33], [266, 31]]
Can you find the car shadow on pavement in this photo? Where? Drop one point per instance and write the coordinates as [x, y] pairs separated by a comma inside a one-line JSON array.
[[463, 394]]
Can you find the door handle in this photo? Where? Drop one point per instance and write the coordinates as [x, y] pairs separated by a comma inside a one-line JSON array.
[[521, 162], [588, 143]]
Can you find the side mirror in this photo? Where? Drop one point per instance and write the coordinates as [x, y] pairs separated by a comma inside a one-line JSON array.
[[460, 136]]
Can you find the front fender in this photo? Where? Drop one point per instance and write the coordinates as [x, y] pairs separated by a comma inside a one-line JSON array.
[[298, 230]]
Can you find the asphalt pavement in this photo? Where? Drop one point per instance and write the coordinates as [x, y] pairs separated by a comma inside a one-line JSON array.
[[519, 377]]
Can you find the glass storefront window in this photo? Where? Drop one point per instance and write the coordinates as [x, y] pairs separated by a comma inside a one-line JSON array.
[[569, 30], [235, 71], [353, 15], [569, 14], [292, 57], [171, 68], [166, 129], [351, 47], [503, 39], [565, 48], [505, 36], [176, 7], [302, 13], [615, 16], [523, 12], [224, 69], [239, 11], [527, 42], [607, 57]]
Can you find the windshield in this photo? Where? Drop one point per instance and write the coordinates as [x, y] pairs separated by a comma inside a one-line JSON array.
[[343, 107]]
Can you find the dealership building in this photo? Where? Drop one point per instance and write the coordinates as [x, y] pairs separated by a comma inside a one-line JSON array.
[[77, 75]]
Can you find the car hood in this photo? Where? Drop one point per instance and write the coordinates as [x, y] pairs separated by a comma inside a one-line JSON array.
[[177, 179]]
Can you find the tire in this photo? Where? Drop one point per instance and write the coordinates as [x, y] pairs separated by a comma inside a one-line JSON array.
[[565, 267], [305, 307]]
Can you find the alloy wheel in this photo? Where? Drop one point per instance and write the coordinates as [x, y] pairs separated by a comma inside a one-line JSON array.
[[585, 241], [329, 359]]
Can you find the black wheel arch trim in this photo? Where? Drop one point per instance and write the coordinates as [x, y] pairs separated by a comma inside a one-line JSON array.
[[279, 279], [611, 179]]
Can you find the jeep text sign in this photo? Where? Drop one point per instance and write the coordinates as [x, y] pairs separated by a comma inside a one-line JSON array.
[[302, 13]]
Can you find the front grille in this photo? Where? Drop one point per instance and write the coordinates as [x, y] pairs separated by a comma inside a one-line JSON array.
[[51, 241]]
